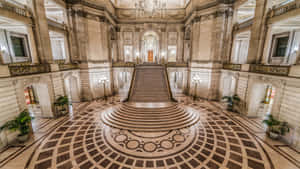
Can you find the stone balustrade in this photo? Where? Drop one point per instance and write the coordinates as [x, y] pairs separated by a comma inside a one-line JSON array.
[[270, 69], [24, 69], [255, 68], [18, 9], [229, 66], [279, 10], [123, 64], [174, 64], [68, 66]]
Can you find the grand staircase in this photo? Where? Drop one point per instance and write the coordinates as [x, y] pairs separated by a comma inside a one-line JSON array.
[[150, 107], [150, 85], [145, 119]]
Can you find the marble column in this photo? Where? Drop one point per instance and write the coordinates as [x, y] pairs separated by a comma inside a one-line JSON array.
[[42, 32], [180, 46], [257, 31]]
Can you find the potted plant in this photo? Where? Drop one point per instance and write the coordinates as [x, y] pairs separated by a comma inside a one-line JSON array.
[[20, 123], [276, 128], [231, 101], [61, 105]]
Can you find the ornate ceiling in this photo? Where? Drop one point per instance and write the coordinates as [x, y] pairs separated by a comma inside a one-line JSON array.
[[170, 4]]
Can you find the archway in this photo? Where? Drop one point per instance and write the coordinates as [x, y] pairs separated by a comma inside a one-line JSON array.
[[150, 47], [72, 89], [37, 100], [262, 99]]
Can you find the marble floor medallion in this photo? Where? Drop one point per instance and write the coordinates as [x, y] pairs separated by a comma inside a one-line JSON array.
[[150, 145], [214, 141]]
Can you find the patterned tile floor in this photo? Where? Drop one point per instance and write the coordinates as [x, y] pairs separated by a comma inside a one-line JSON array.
[[218, 140]]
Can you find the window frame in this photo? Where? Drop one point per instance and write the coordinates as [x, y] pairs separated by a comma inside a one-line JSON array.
[[15, 58], [274, 42]]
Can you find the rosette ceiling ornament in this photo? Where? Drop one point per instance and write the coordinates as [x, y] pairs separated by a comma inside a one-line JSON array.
[[150, 8]]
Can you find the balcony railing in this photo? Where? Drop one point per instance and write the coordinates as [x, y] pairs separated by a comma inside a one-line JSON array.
[[277, 11], [263, 69], [174, 64], [23, 11], [270, 69], [68, 66], [229, 66], [20, 70], [123, 64]]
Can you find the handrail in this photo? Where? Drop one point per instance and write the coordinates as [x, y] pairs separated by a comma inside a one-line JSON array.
[[131, 85], [168, 85]]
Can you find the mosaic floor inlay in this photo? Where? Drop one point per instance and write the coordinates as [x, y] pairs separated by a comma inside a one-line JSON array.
[[215, 141]]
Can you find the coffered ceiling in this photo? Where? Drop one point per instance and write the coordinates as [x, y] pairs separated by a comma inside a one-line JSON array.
[[170, 4]]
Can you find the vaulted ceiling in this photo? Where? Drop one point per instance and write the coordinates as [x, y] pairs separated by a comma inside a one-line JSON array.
[[170, 4]]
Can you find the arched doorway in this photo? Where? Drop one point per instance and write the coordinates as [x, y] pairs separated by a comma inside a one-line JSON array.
[[150, 47], [72, 89], [37, 100]]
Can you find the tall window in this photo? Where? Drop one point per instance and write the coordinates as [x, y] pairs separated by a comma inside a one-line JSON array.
[[281, 46], [18, 44], [19, 47]]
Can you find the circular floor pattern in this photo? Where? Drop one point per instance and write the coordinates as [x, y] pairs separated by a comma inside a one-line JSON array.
[[85, 142]]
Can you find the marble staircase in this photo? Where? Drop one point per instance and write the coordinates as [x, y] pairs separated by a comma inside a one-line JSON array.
[[150, 119], [150, 84]]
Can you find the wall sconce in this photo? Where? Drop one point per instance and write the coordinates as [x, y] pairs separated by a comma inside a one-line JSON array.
[[137, 54], [163, 53]]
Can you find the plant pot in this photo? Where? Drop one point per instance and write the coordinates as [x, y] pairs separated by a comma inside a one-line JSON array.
[[273, 135], [23, 138]]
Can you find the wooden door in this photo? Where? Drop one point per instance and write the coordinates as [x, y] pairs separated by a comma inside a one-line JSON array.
[[150, 56]]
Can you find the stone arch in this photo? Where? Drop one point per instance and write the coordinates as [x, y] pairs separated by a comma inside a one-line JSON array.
[[72, 87], [157, 45], [256, 83], [42, 87]]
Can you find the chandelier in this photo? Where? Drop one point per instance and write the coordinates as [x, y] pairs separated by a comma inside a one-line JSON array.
[[150, 8]]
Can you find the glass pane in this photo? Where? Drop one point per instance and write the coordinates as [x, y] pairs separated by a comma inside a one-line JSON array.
[[281, 47], [18, 46]]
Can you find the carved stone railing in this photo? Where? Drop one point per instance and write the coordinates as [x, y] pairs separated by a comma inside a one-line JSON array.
[[270, 69], [174, 64], [23, 11], [20, 70], [68, 66], [279, 10], [230, 66], [123, 64]]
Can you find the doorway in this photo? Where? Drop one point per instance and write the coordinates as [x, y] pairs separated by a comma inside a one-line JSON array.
[[262, 100], [37, 100], [150, 56], [71, 86]]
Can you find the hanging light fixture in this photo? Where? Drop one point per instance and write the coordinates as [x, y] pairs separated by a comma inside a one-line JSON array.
[[151, 7]]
